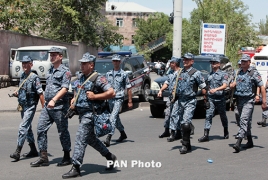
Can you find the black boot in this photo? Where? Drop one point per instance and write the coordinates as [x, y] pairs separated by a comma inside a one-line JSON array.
[[178, 135], [42, 161], [122, 136], [16, 154], [262, 123], [33, 151], [110, 157], [205, 137], [107, 141], [74, 172], [66, 160], [165, 133], [249, 144], [226, 133], [238, 144], [236, 136], [186, 133], [172, 136], [192, 129]]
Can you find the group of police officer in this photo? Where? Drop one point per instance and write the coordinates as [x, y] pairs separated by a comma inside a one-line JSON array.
[[89, 96], [183, 82]]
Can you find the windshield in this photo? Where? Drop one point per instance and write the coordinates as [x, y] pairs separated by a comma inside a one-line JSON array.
[[203, 66], [34, 54], [103, 67]]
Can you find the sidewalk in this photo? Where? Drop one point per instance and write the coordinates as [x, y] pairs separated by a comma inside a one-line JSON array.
[[9, 104]]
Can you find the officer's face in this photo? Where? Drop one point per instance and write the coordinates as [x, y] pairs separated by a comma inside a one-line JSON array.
[[116, 64], [245, 64], [187, 63], [26, 66], [87, 67], [215, 65], [55, 58]]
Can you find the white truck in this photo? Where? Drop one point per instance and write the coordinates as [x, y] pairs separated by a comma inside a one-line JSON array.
[[260, 61], [41, 60]]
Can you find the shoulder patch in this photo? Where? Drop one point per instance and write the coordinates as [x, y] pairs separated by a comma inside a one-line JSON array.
[[68, 75], [103, 80]]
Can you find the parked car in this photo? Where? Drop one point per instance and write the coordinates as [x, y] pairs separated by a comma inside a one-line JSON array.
[[158, 104], [135, 66]]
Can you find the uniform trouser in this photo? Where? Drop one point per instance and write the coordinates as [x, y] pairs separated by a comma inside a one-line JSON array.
[[245, 107], [167, 114], [237, 116], [47, 118], [265, 112], [85, 135], [174, 121], [218, 104], [186, 110], [25, 128], [115, 105]]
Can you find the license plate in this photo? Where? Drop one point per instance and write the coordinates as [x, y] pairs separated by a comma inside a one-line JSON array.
[[165, 98]]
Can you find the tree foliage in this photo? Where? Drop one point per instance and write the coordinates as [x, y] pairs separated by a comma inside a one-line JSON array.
[[152, 28], [263, 26]]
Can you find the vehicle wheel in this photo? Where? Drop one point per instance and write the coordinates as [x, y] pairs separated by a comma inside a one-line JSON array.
[[157, 112], [144, 96]]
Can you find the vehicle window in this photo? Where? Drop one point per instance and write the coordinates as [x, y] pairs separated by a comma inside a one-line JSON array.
[[203, 66], [135, 64], [103, 67], [127, 66], [64, 54], [34, 54], [142, 62]]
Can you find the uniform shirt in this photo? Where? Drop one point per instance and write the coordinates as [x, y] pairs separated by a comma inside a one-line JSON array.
[[119, 81], [171, 80], [186, 83], [245, 82], [57, 79], [215, 80], [101, 85], [29, 92]]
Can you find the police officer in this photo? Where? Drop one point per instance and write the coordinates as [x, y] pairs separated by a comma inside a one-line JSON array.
[[237, 118], [85, 102], [189, 81], [56, 106], [216, 83], [248, 79], [119, 80], [28, 94]]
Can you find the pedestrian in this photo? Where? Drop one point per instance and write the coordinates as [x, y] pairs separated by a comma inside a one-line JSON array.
[[237, 117], [119, 80], [88, 99], [247, 81], [171, 117], [29, 92], [217, 82], [189, 81], [57, 83]]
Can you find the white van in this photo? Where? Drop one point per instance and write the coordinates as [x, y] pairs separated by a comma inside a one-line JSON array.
[[41, 60], [260, 61]]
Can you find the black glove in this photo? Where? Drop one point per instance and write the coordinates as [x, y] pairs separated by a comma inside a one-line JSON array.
[[206, 105]]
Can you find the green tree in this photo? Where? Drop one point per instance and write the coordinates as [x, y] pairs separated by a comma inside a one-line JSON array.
[[263, 26], [19, 15], [152, 28], [78, 21]]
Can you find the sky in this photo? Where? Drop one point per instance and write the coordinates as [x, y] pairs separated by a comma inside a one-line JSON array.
[[258, 8]]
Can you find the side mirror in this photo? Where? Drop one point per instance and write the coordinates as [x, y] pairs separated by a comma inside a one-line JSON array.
[[130, 74]]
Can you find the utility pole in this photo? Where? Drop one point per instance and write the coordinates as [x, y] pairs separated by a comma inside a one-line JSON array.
[[177, 28]]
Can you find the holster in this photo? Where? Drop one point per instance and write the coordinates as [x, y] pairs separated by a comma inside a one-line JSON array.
[[70, 113], [19, 108]]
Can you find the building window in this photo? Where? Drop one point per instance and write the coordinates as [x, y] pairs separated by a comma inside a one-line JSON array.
[[119, 22], [134, 22], [132, 39]]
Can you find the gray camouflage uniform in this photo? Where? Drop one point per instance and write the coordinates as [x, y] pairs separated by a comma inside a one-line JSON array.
[[119, 82], [56, 80]]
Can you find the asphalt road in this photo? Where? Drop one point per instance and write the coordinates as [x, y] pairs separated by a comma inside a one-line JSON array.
[[145, 148]]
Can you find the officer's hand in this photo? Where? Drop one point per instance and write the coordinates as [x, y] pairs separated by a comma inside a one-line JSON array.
[[212, 91], [15, 94], [90, 95], [257, 99], [159, 93], [264, 106], [51, 104], [232, 85], [130, 105]]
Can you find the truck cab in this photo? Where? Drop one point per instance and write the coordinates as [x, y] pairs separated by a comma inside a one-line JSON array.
[[41, 61]]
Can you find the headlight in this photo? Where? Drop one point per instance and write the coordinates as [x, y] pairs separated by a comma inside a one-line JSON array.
[[41, 68], [155, 86], [17, 69]]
